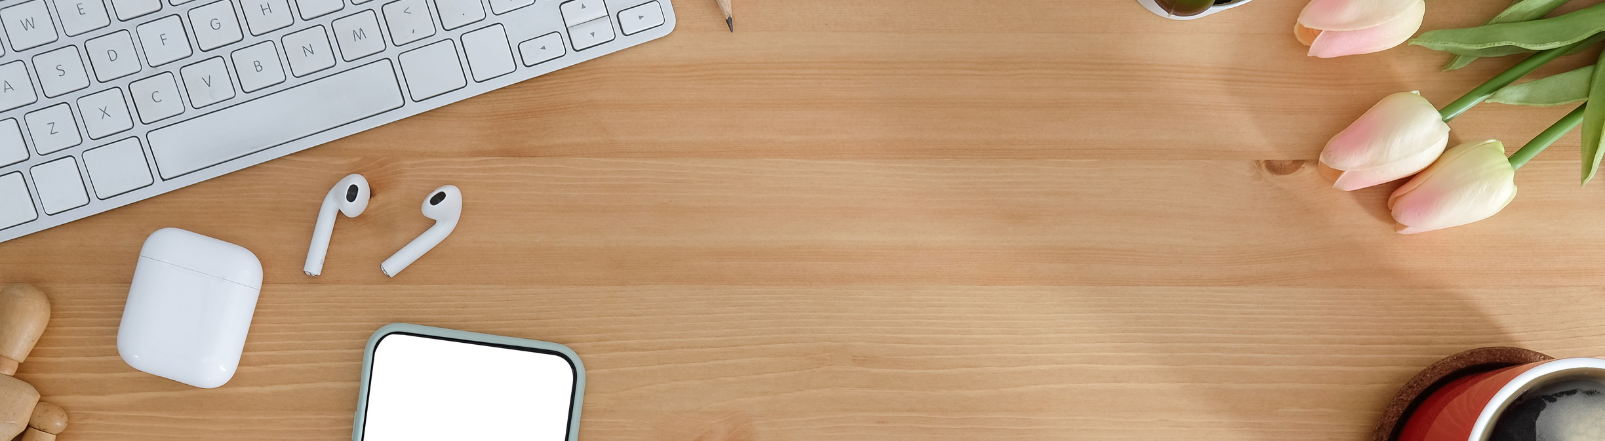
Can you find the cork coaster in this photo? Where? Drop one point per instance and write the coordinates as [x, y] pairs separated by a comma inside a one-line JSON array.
[[1441, 373]]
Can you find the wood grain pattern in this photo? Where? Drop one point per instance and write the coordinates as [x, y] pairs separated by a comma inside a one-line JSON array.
[[902, 219]]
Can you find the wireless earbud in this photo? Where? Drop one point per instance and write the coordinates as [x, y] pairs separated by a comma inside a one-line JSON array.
[[445, 206], [350, 196]]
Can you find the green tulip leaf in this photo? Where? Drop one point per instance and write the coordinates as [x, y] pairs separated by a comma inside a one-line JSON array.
[[1593, 122], [1534, 35], [1522, 10], [1554, 90]]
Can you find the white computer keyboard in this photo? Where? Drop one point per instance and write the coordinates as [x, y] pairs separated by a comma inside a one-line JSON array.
[[107, 102]]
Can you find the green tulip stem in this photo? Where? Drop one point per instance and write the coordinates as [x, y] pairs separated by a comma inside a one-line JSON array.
[[1547, 137], [1487, 89]]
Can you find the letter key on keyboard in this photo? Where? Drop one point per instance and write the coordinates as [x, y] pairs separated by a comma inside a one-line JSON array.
[[61, 71], [15, 89], [264, 16], [28, 25], [275, 119], [308, 51], [214, 25], [105, 113], [53, 129], [113, 56], [163, 40], [258, 66], [358, 35], [207, 82], [80, 16]]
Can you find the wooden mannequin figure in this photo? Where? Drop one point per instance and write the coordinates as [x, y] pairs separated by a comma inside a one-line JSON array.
[[24, 312]]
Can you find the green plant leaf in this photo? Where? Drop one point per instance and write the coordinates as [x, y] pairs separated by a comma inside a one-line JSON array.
[[1522, 10], [1593, 122], [1554, 90], [1542, 34]]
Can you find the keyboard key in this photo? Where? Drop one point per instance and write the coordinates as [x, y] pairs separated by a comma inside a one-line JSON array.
[[258, 66], [60, 186], [458, 13], [132, 9], [581, 11], [311, 9], [640, 18], [275, 119], [214, 25], [156, 98], [105, 113], [163, 40], [264, 16], [28, 25], [15, 88], [61, 71], [358, 35], [432, 70], [541, 49], [117, 168], [308, 51], [590, 34], [80, 16], [12, 149], [112, 56], [207, 82], [408, 20], [500, 7], [488, 53], [16, 206], [53, 129]]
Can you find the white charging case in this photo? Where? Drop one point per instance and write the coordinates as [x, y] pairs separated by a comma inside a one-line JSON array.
[[189, 308]]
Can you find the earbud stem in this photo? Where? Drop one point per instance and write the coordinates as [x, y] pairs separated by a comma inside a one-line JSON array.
[[320, 237], [416, 249]]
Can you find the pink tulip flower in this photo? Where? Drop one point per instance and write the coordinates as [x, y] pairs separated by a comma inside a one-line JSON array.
[[1399, 136], [1471, 182], [1334, 28]]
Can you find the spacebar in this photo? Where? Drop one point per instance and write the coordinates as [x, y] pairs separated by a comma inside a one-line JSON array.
[[275, 119]]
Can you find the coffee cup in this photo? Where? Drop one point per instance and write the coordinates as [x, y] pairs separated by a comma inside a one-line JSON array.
[[1555, 400]]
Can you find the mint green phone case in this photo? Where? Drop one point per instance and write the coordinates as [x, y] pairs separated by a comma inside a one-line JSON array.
[[576, 404]]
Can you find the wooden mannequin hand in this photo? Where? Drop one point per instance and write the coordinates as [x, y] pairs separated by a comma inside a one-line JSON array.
[[47, 421]]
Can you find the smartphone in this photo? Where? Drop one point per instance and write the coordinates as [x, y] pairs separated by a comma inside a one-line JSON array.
[[426, 383]]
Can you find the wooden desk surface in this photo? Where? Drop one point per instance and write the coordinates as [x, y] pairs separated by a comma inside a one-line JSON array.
[[897, 219]]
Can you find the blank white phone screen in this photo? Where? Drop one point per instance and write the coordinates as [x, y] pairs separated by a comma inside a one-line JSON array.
[[423, 388]]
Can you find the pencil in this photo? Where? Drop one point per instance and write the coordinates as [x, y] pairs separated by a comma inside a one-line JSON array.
[[729, 20]]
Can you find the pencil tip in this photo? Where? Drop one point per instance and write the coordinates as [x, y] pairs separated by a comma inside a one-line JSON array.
[[731, 22]]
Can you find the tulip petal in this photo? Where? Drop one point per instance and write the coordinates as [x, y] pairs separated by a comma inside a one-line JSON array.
[[1471, 182], [1399, 129], [1349, 15], [1357, 179], [1373, 39]]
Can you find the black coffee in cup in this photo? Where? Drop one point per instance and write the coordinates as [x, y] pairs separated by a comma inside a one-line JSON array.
[[1568, 409]]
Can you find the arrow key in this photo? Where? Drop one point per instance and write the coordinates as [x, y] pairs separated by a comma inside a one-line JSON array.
[[591, 33], [577, 12], [541, 49], [640, 18]]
